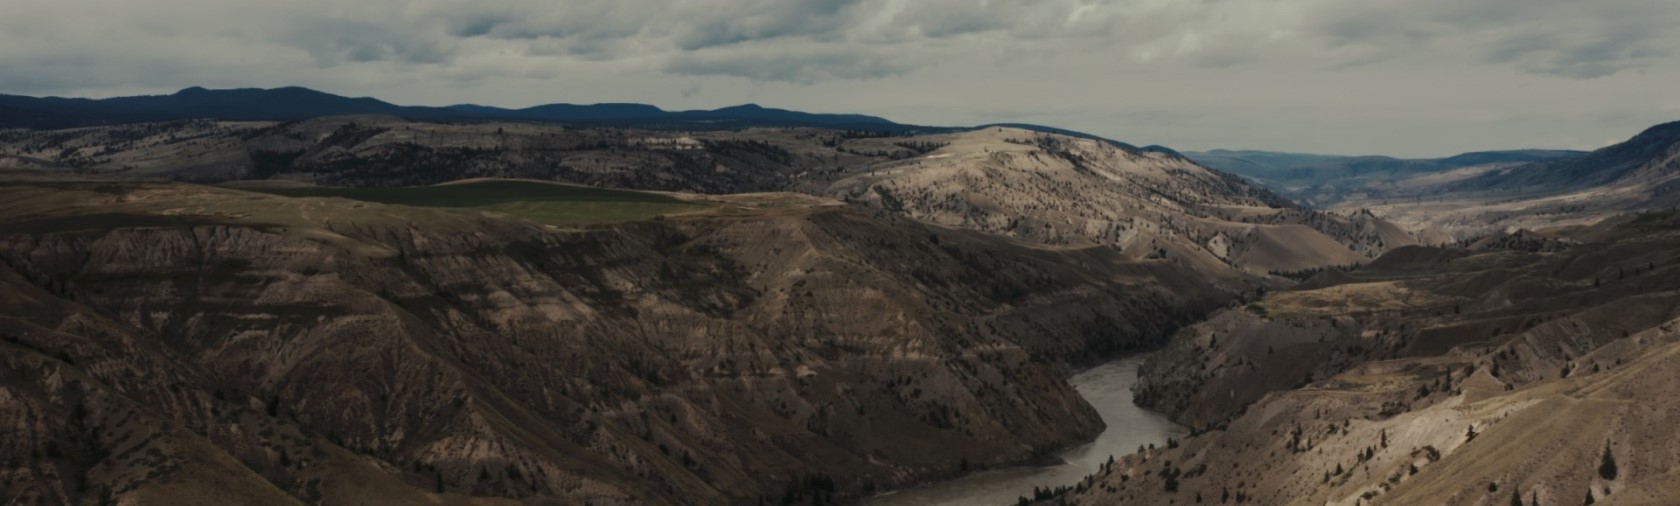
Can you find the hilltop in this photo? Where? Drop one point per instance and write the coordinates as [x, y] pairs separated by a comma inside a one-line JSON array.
[[1046, 188]]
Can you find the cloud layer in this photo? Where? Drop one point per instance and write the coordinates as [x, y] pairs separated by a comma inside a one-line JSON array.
[[1407, 77]]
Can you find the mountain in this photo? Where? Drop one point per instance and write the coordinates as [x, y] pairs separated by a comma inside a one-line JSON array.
[[368, 308], [1041, 187], [296, 103], [1650, 158], [167, 343], [1640, 174], [1326, 179], [1535, 367], [1057, 189], [279, 104], [1319, 168], [753, 305]]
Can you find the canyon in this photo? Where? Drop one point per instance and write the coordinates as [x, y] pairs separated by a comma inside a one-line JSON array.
[[387, 309]]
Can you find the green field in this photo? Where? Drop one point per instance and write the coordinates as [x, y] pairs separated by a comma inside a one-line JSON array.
[[536, 201], [1652, 221]]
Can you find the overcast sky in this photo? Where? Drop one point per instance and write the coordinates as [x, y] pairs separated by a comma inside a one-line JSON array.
[[1396, 77]]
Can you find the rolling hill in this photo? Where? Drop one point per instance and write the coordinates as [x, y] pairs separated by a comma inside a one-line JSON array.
[[1045, 188]]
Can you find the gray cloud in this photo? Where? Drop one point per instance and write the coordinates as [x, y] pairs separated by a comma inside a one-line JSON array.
[[333, 42], [791, 66], [1549, 37], [1399, 77]]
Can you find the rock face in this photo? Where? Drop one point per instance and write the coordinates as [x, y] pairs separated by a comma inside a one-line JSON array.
[[1438, 376], [185, 344], [1044, 188]]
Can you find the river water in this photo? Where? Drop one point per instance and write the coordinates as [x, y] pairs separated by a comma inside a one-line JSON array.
[[1108, 388]]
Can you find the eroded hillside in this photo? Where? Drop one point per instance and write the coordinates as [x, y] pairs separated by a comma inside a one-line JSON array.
[[1431, 376], [180, 343], [1045, 188]]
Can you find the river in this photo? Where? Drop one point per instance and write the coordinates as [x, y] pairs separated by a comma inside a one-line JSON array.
[[1108, 388]]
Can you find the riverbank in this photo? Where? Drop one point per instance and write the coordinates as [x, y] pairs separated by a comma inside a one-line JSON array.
[[1108, 388]]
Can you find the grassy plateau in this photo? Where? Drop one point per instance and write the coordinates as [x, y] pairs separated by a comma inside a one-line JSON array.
[[537, 201]]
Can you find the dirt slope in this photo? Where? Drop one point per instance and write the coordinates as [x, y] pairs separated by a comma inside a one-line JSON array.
[[305, 349], [1431, 376]]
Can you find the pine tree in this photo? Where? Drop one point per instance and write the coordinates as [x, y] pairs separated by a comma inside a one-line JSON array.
[[1607, 468]]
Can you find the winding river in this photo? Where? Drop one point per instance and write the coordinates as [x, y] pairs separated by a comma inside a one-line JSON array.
[[1108, 388]]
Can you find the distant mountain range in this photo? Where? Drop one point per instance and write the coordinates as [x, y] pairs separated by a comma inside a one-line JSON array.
[[1649, 159], [1475, 194], [1326, 179], [1297, 168], [296, 103]]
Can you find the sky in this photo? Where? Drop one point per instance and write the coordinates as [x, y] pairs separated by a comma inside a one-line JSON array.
[[1413, 78]]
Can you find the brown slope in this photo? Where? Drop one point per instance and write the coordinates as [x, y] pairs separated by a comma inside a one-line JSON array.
[[1477, 444], [1412, 302], [707, 360], [1546, 357]]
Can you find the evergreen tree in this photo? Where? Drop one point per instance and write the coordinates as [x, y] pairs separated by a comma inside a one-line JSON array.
[[1607, 468]]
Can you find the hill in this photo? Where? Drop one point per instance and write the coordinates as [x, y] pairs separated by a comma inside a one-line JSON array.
[[1045, 188], [176, 343], [1640, 174], [1534, 369]]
